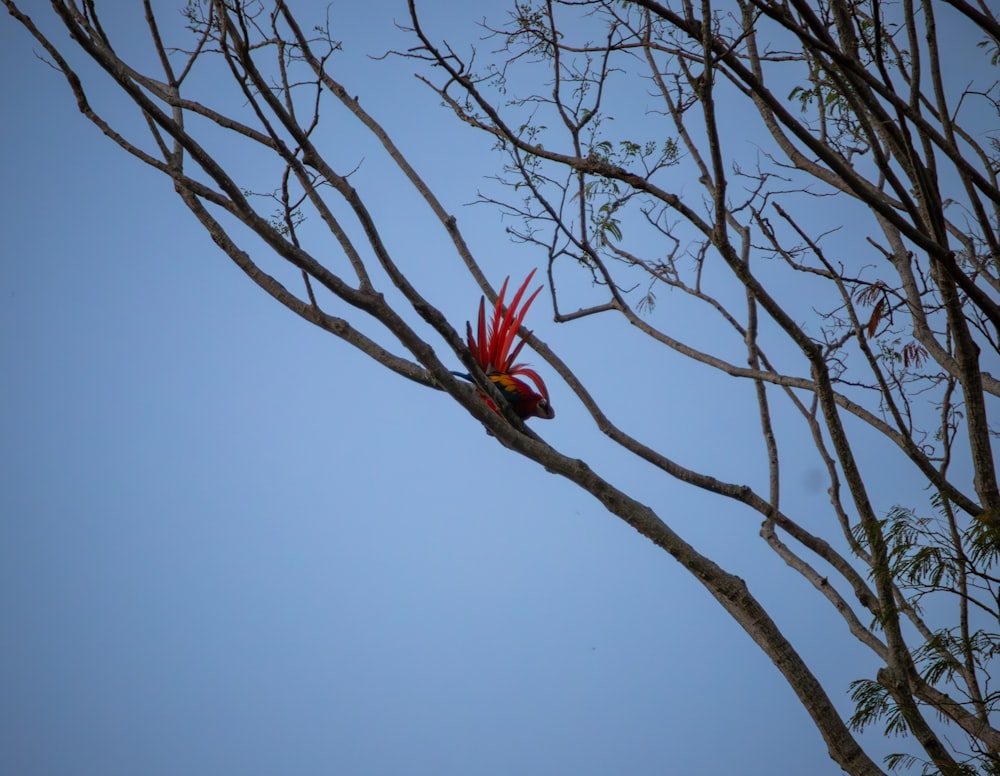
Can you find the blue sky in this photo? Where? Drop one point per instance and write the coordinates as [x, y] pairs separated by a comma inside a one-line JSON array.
[[231, 544]]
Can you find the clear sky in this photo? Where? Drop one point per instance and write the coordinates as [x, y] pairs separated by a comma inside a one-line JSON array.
[[229, 544]]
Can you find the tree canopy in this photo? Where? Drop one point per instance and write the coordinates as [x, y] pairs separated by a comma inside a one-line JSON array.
[[801, 196]]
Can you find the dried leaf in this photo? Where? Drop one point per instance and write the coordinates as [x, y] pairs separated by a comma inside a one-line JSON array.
[[876, 318]]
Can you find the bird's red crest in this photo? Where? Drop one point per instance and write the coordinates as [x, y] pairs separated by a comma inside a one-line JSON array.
[[494, 350]]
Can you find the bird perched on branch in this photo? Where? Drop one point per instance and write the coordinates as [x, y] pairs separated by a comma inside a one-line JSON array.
[[492, 352]]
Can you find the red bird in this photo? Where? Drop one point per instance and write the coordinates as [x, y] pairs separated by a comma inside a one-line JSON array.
[[492, 351]]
